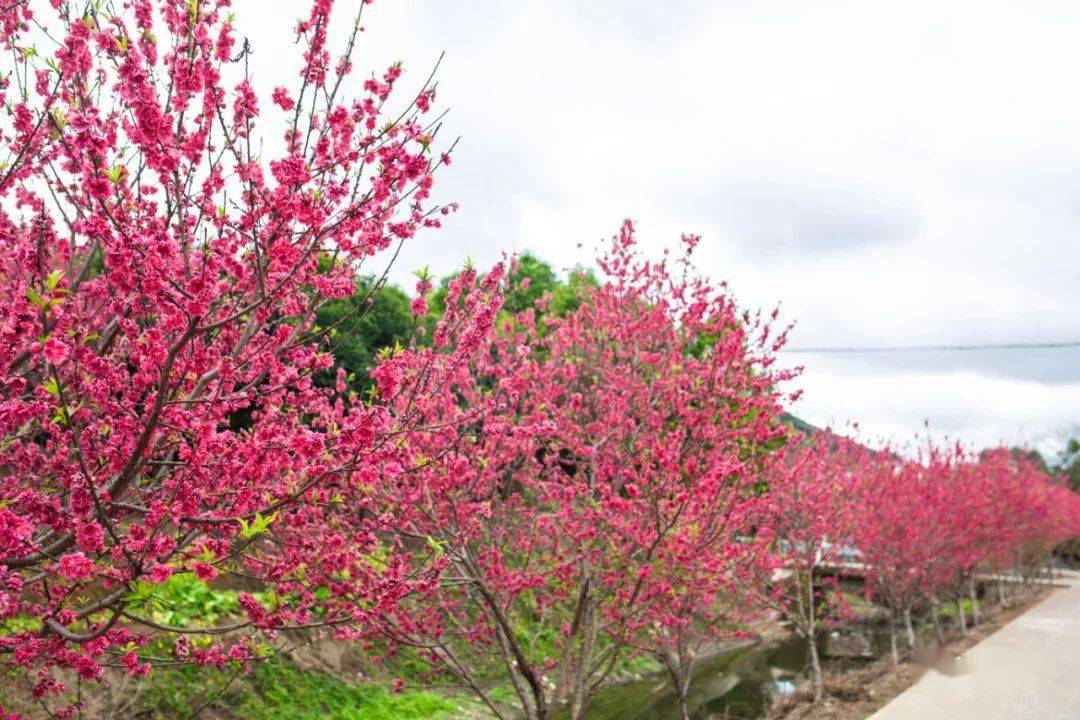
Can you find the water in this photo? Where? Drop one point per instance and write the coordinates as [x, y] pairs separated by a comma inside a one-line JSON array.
[[737, 685]]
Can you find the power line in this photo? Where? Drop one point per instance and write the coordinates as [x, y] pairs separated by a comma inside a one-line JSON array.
[[946, 348]]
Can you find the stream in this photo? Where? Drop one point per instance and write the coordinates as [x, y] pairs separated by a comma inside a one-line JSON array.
[[736, 685]]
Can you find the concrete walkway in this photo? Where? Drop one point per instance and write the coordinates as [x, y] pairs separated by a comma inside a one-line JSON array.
[[1028, 669]]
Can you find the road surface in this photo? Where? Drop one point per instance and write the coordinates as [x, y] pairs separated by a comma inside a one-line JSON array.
[[1029, 669]]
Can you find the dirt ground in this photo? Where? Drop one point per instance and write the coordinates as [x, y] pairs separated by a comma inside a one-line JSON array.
[[857, 694]]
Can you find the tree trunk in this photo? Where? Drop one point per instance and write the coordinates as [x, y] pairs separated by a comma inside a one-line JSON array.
[[892, 639], [974, 593], [961, 618], [909, 629], [681, 675], [935, 613], [535, 708], [1001, 593], [684, 712], [815, 666]]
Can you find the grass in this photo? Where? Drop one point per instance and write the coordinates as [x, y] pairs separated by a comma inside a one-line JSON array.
[[948, 609], [275, 688], [279, 689], [184, 600]]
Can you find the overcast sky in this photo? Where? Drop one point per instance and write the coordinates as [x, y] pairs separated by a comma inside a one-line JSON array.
[[892, 173]]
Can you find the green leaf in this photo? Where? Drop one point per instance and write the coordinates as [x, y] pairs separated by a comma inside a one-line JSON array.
[[52, 387], [59, 118], [258, 526], [33, 296], [141, 593], [437, 546], [62, 414], [54, 279]]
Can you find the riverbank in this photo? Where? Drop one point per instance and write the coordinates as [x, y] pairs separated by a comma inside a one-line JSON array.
[[857, 693]]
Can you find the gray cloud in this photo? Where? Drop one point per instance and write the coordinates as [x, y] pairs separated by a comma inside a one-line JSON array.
[[785, 220]]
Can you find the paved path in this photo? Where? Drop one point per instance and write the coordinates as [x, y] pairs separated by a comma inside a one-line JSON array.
[[1028, 669]]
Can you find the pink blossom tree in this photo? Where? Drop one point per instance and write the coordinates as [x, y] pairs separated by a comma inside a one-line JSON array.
[[158, 284], [591, 482], [812, 522], [899, 507]]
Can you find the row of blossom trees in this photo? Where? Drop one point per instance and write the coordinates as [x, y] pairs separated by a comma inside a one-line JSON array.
[[947, 515], [620, 480], [920, 526], [524, 497]]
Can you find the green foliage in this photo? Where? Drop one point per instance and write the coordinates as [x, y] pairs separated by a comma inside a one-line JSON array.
[[275, 688], [19, 624], [185, 600], [279, 689], [257, 526], [798, 424], [948, 609], [283, 691], [1033, 456], [359, 326], [1071, 465], [540, 640], [543, 279], [565, 294]]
